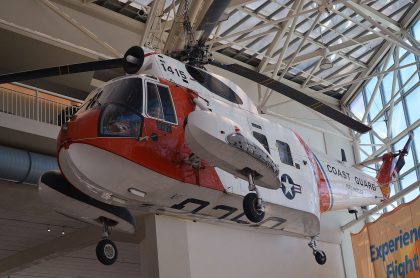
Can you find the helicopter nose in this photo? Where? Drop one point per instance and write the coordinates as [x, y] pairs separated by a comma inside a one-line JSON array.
[[81, 127]]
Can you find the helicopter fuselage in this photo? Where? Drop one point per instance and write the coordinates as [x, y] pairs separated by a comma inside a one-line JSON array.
[[156, 141]]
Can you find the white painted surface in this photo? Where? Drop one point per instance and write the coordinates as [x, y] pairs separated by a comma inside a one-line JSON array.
[[199, 250]]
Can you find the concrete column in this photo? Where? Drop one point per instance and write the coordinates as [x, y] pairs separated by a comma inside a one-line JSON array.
[[164, 251], [149, 261]]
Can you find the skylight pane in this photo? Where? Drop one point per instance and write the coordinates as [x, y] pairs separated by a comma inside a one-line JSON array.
[[269, 9]]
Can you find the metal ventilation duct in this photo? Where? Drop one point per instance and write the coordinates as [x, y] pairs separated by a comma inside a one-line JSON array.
[[23, 166]]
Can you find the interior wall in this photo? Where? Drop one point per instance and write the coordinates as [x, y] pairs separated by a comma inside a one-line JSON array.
[[219, 251], [107, 27]]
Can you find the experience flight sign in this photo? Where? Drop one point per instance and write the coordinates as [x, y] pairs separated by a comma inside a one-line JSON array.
[[389, 247]]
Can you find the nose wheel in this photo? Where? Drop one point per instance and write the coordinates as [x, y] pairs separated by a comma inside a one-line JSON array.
[[252, 203], [319, 255], [106, 250]]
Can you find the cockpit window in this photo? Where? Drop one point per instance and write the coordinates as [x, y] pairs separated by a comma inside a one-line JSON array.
[[154, 108], [213, 84], [128, 91], [285, 153], [159, 103], [262, 139], [121, 102]]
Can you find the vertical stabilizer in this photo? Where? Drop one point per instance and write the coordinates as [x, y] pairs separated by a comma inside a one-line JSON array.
[[392, 163]]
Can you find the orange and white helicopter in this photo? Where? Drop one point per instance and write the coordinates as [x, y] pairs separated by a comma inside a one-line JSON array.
[[176, 139], [171, 137]]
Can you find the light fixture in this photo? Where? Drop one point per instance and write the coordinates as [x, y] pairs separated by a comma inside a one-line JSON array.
[[326, 63], [137, 192], [62, 231], [48, 228]]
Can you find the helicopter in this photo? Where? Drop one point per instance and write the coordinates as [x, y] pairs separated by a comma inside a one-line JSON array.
[[175, 139], [171, 137]]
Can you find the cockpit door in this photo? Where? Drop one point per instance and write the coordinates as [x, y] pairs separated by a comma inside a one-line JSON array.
[[160, 123]]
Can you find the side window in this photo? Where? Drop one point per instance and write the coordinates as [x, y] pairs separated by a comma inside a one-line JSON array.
[[285, 153], [154, 107], [262, 139], [167, 105], [213, 84], [159, 103]]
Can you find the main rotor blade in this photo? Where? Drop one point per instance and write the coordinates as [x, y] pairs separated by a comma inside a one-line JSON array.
[[296, 95], [211, 18], [61, 70], [131, 63]]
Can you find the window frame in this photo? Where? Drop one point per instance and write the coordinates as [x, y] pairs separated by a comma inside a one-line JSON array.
[[289, 153], [266, 140], [145, 102], [212, 84]]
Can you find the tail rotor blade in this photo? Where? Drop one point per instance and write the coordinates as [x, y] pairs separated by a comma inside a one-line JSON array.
[[401, 160], [408, 144]]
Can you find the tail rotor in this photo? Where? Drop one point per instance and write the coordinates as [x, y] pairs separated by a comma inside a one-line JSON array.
[[402, 153], [392, 164]]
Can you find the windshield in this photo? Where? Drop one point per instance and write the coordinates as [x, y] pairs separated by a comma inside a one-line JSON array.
[[128, 92], [121, 103]]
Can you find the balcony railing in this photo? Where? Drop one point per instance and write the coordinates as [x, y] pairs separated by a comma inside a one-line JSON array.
[[36, 104]]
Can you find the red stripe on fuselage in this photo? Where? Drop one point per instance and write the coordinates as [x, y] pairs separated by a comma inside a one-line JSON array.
[[151, 53], [168, 155], [321, 179]]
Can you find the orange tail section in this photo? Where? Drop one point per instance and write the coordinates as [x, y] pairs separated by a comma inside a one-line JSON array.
[[385, 174], [391, 166]]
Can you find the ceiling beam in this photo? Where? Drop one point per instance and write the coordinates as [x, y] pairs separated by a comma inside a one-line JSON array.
[[374, 14], [412, 14], [331, 50], [283, 51], [82, 28], [296, 33], [153, 25], [36, 35], [256, 36], [384, 32], [238, 3], [107, 15], [279, 36], [392, 69], [176, 29], [265, 24]]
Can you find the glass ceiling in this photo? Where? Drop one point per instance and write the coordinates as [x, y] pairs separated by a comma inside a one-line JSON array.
[[257, 34]]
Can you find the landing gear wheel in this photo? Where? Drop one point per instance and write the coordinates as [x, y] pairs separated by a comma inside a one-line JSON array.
[[106, 252], [320, 257], [252, 208]]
